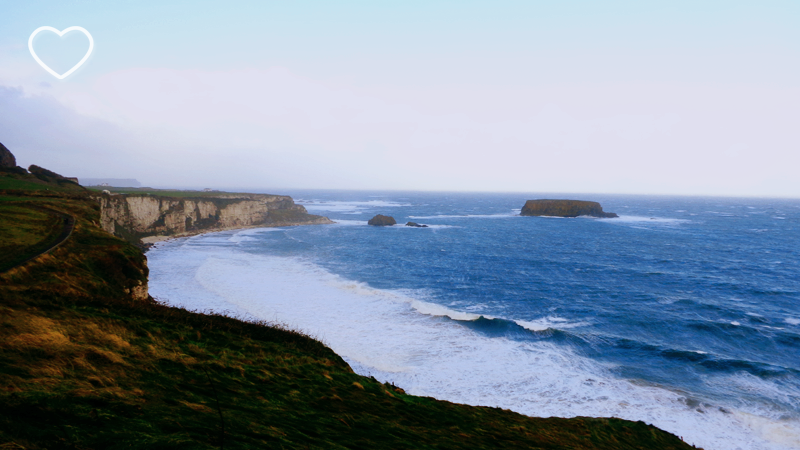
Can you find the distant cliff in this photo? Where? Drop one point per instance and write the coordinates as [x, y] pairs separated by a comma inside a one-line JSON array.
[[135, 216], [564, 208]]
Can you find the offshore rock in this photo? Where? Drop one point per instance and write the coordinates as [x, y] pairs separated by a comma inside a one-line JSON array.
[[382, 221], [564, 208], [415, 224]]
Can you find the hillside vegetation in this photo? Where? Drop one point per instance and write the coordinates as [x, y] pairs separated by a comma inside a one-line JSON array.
[[177, 193], [84, 365]]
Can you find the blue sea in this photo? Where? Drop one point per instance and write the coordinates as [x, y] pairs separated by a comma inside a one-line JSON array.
[[684, 312]]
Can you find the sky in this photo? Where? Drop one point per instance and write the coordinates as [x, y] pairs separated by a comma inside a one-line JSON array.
[[658, 97]]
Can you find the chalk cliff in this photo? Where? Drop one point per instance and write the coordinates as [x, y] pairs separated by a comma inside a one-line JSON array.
[[134, 216], [564, 208]]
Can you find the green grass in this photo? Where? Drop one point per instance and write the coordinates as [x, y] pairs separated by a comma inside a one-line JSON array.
[[25, 232], [98, 375], [29, 185], [8, 183], [162, 192], [84, 366]]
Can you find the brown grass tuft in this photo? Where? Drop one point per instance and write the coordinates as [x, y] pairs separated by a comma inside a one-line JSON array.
[[197, 407], [49, 341], [105, 355]]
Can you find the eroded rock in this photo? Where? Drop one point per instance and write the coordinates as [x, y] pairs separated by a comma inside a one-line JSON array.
[[564, 208], [382, 221]]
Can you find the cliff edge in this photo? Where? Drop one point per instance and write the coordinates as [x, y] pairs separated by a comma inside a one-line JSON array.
[[136, 216], [564, 208]]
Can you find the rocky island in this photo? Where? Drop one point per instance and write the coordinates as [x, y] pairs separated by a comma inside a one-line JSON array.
[[382, 221], [564, 208]]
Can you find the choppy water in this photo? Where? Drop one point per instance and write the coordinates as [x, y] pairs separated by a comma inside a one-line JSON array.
[[684, 312]]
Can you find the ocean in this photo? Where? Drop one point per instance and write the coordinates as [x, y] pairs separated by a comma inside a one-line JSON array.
[[684, 312]]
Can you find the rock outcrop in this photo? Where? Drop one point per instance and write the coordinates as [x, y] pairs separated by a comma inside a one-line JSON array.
[[134, 216], [7, 159], [8, 163], [415, 224], [564, 208], [48, 175], [382, 221]]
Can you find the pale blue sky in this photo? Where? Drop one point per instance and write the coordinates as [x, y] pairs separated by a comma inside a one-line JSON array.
[[660, 97], [710, 41]]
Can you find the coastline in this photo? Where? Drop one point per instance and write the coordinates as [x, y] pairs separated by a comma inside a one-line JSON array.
[[570, 297], [147, 242], [422, 345], [90, 359]]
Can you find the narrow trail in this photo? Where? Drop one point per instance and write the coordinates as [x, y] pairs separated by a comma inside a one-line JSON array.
[[68, 224]]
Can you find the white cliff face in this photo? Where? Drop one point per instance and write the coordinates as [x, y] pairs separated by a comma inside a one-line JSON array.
[[242, 214], [148, 215], [144, 211]]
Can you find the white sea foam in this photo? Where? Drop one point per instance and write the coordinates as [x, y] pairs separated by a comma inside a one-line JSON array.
[[347, 206], [412, 343], [432, 309], [792, 321], [247, 234], [648, 219], [350, 222], [514, 213], [549, 322], [399, 226]]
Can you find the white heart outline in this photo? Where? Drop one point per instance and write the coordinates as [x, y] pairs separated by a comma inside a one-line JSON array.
[[61, 34]]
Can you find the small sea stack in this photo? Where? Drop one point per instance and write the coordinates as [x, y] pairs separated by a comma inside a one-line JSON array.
[[415, 224], [382, 221], [564, 208]]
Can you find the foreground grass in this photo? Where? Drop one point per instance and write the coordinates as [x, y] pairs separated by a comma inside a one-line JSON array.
[[147, 376], [83, 366]]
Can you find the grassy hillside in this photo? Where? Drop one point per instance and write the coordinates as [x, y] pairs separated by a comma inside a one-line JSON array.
[[29, 184], [179, 193], [34, 231], [84, 366]]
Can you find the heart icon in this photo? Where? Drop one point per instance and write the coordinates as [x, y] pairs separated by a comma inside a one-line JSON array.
[[61, 34]]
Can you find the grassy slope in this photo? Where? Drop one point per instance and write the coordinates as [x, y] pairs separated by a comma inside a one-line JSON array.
[[81, 366], [161, 192], [30, 184], [32, 232]]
